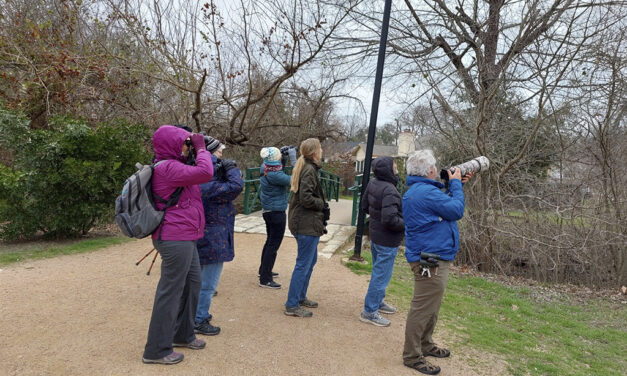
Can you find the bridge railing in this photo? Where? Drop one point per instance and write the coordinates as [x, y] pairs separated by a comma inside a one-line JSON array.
[[356, 189], [252, 187]]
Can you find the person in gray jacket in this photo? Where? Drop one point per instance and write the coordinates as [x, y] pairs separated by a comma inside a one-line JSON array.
[[274, 183]]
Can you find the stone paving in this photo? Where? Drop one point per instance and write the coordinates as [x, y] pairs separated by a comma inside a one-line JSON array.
[[337, 234]]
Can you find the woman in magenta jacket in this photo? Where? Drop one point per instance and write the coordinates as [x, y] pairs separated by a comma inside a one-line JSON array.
[[172, 321]]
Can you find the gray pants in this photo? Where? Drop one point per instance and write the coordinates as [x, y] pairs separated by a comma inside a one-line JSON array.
[[176, 298], [423, 314]]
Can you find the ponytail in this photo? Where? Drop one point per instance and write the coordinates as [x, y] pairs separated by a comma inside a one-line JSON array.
[[308, 150]]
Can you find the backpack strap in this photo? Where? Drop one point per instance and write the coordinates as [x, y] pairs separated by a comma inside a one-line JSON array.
[[173, 200]]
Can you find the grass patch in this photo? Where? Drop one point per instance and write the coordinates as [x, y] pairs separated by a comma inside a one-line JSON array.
[[534, 338], [44, 252]]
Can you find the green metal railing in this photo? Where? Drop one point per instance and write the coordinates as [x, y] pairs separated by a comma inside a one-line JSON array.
[[356, 189], [252, 187]]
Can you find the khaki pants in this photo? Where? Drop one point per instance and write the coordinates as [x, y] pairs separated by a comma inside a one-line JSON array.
[[423, 313]]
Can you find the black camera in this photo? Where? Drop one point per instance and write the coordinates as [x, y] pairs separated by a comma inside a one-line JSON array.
[[326, 212]]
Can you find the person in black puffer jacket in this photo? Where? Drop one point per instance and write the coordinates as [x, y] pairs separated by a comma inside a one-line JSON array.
[[382, 202]]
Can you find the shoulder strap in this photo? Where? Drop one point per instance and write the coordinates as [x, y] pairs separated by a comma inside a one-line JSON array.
[[173, 200]]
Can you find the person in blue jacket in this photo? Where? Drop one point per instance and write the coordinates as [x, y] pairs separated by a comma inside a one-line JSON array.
[[274, 194], [431, 216], [216, 246]]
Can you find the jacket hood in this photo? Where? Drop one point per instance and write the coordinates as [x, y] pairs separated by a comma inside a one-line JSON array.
[[383, 169], [168, 141]]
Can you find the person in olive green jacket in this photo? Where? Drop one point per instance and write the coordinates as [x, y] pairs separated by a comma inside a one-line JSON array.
[[307, 216]]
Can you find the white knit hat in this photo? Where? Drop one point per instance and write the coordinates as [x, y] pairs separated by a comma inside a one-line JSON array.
[[270, 154]]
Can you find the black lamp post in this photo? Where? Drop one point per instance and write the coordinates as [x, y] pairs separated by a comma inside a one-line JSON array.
[[373, 126]]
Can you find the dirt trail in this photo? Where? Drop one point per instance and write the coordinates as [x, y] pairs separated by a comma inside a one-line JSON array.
[[88, 314]]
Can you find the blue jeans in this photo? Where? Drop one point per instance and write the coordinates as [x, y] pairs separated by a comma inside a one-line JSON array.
[[210, 275], [382, 267], [305, 261]]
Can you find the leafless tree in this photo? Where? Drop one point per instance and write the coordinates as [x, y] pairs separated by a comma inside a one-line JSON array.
[[499, 77]]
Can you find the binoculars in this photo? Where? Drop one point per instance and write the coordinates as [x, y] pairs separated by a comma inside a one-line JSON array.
[[288, 152], [474, 165], [429, 260]]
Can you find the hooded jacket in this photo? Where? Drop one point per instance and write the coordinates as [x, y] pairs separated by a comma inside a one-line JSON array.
[[217, 195], [185, 220], [431, 217], [382, 202], [274, 190]]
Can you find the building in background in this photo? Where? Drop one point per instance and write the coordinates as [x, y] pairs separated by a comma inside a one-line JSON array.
[[405, 145]]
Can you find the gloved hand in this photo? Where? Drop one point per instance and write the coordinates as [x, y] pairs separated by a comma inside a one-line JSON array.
[[289, 151], [292, 154], [228, 164], [198, 141]]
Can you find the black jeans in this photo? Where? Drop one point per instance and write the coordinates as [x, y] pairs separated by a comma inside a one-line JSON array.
[[275, 229], [176, 298]]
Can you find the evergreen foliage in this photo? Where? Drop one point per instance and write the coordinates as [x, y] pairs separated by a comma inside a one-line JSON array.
[[64, 179]]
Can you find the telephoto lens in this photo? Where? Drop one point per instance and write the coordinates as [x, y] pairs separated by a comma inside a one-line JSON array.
[[474, 165]]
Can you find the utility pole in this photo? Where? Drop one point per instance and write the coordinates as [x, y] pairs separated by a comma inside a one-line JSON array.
[[373, 127]]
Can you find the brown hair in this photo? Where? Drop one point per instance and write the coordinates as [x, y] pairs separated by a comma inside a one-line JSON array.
[[308, 150]]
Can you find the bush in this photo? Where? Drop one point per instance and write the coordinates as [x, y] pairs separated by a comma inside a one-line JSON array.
[[64, 180]]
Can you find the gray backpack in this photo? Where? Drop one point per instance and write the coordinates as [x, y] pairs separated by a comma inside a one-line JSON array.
[[135, 211]]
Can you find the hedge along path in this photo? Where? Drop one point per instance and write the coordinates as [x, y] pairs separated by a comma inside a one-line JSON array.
[[88, 314]]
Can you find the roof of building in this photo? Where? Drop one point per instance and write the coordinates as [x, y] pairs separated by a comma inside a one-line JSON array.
[[334, 148], [379, 150]]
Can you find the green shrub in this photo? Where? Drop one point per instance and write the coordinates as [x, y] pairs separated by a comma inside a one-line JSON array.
[[64, 180]]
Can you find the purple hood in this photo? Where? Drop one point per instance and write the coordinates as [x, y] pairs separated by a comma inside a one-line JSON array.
[[168, 142]]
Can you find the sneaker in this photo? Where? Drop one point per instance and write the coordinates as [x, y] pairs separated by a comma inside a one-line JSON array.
[[173, 358], [386, 308], [308, 303], [196, 344], [270, 285], [206, 328], [374, 318], [298, 312], [274, 274]]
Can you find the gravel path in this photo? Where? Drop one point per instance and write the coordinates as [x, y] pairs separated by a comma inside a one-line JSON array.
[[88, 314]]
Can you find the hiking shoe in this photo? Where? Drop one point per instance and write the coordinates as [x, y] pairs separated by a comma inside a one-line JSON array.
[[173, 358], [308, 303], [438, 352], [196, 344], [386, 308], [206, 328], [374, 318], [298, 312], [274, 274], [423, 366], [270, 285]]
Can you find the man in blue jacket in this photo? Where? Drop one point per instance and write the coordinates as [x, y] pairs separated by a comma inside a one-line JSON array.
[[431, 216]]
